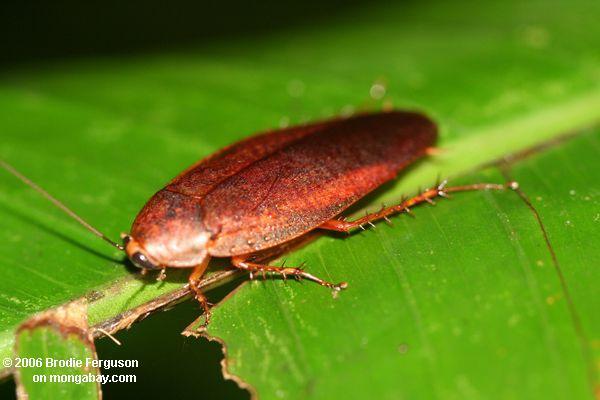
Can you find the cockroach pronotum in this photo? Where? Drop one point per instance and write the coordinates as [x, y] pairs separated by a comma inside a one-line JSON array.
[[262, 192]]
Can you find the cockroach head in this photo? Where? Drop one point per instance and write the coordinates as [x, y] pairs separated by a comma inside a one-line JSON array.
[[136, 254]]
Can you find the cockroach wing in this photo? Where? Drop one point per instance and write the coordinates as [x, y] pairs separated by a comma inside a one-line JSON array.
[[202, 177], [170, 226], [310, 179]]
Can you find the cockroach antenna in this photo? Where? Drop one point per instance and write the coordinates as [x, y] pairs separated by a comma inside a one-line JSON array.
[[58, 204]]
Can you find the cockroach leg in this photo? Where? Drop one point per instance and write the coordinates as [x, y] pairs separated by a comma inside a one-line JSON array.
[[194, 279], [162, 275], [343, 225], [284, 272]]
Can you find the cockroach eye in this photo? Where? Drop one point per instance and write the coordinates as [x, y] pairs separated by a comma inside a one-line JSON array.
[[141, 261]]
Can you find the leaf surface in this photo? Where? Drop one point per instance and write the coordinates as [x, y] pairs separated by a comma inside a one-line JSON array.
[[104, 134]]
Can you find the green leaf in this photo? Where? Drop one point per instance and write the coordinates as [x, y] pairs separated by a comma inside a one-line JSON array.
[[463, 301], [55, 357], [105, 134]]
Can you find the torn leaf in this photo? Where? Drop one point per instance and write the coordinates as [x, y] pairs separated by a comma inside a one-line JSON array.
[[54, 356]]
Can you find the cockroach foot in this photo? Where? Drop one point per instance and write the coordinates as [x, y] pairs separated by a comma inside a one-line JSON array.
[[162, 275], [297, 272]]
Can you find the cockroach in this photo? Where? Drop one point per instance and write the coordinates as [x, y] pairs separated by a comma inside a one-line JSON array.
[[265, 191]]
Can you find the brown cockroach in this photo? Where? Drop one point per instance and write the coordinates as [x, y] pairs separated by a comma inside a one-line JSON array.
[[262, 192]]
